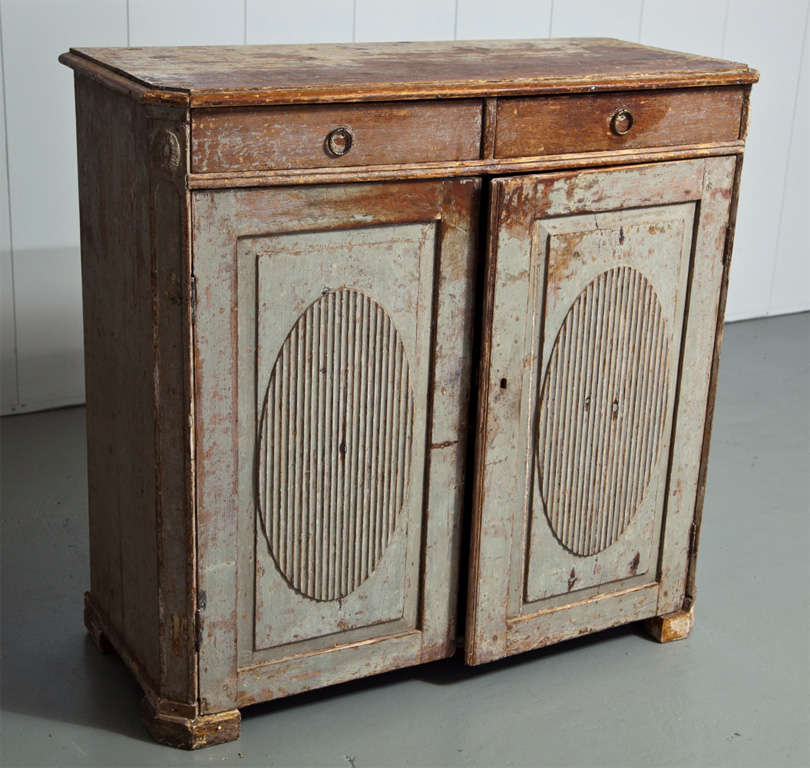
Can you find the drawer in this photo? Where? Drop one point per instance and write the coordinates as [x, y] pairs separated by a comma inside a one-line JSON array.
[[563, 124], [322, 136]]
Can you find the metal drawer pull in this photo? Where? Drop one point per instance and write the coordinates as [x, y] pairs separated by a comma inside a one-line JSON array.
[[338, 142], [621, 122]]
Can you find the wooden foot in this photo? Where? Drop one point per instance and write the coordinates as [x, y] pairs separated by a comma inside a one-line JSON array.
[[671, 626], [191, 733], [93, 625]]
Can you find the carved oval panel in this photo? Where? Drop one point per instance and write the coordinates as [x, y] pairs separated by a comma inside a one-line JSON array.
[[602, 410], [335, 444]]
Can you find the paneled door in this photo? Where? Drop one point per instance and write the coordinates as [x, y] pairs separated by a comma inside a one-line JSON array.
[[597, 352], [333, 360]]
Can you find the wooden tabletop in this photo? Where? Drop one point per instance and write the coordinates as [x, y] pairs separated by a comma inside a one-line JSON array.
[[214, 76]]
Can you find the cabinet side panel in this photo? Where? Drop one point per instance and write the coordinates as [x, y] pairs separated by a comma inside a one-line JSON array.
[[117, 288]]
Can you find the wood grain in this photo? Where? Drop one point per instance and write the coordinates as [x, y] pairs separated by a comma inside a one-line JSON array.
[[169, 248], [572, 160], [193, 732], [555, 125], [254, 75], [136, 310], [119, 367], [294, 137]]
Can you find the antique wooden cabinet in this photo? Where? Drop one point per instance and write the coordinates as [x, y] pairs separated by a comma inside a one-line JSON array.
[[366, 324]]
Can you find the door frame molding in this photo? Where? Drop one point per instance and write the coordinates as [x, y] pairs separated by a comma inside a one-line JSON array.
[[220, 218], [516, 202]]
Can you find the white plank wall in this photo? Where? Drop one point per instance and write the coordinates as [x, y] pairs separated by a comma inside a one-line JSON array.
[[40, 290]]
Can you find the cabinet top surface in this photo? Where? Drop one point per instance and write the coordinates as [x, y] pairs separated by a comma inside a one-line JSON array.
[[216, 76]]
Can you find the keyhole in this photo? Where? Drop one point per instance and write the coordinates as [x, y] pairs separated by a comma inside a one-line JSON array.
[[503, 383]]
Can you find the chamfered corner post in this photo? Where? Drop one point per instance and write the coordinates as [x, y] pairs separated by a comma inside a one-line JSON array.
[[190, 732]]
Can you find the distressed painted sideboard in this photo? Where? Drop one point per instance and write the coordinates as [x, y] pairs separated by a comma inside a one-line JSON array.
[[390, 344]]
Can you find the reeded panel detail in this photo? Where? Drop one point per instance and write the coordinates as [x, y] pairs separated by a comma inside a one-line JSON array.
[[335, 445], [602, 410]]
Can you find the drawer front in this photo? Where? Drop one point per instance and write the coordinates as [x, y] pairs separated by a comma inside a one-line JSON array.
[[557, 125], [321, 136]]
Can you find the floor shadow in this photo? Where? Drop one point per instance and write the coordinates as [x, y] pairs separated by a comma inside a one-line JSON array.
[[444, 672], [50, 668]]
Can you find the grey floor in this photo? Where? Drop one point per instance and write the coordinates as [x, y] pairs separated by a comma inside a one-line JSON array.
[[736, 693]]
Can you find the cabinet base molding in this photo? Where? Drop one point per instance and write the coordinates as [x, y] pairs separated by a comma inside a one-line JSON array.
[[175, 723], [107, 639], [191, 732], [671, 626]]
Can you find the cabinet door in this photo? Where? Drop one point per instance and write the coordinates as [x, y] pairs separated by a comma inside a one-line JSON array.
[[332, 345], [600, 325]]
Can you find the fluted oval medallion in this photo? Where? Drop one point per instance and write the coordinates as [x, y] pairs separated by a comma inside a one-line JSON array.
[[335, 444], [602, 410]]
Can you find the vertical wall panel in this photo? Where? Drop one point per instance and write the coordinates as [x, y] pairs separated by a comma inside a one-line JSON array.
[[771, 272], [484, 19], [8, 352], [688, 25], [186, 22], [415, 20], [768, 38], [44, 198], [302, 21], [790, 290], [8, 356], [39, 100], [596, 18]]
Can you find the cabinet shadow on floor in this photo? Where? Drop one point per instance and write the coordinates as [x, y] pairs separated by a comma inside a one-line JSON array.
[[447, 672], [51, 670]]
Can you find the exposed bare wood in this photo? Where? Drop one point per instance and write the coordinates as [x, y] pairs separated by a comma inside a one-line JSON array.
[[489, 129], [671, 626], [298, 137], [191, 732], [230, 76], [553, 125], [121, 83], [228, 180]]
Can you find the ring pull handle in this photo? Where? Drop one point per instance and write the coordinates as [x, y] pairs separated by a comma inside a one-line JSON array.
[[621, 122], [338, 142]]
